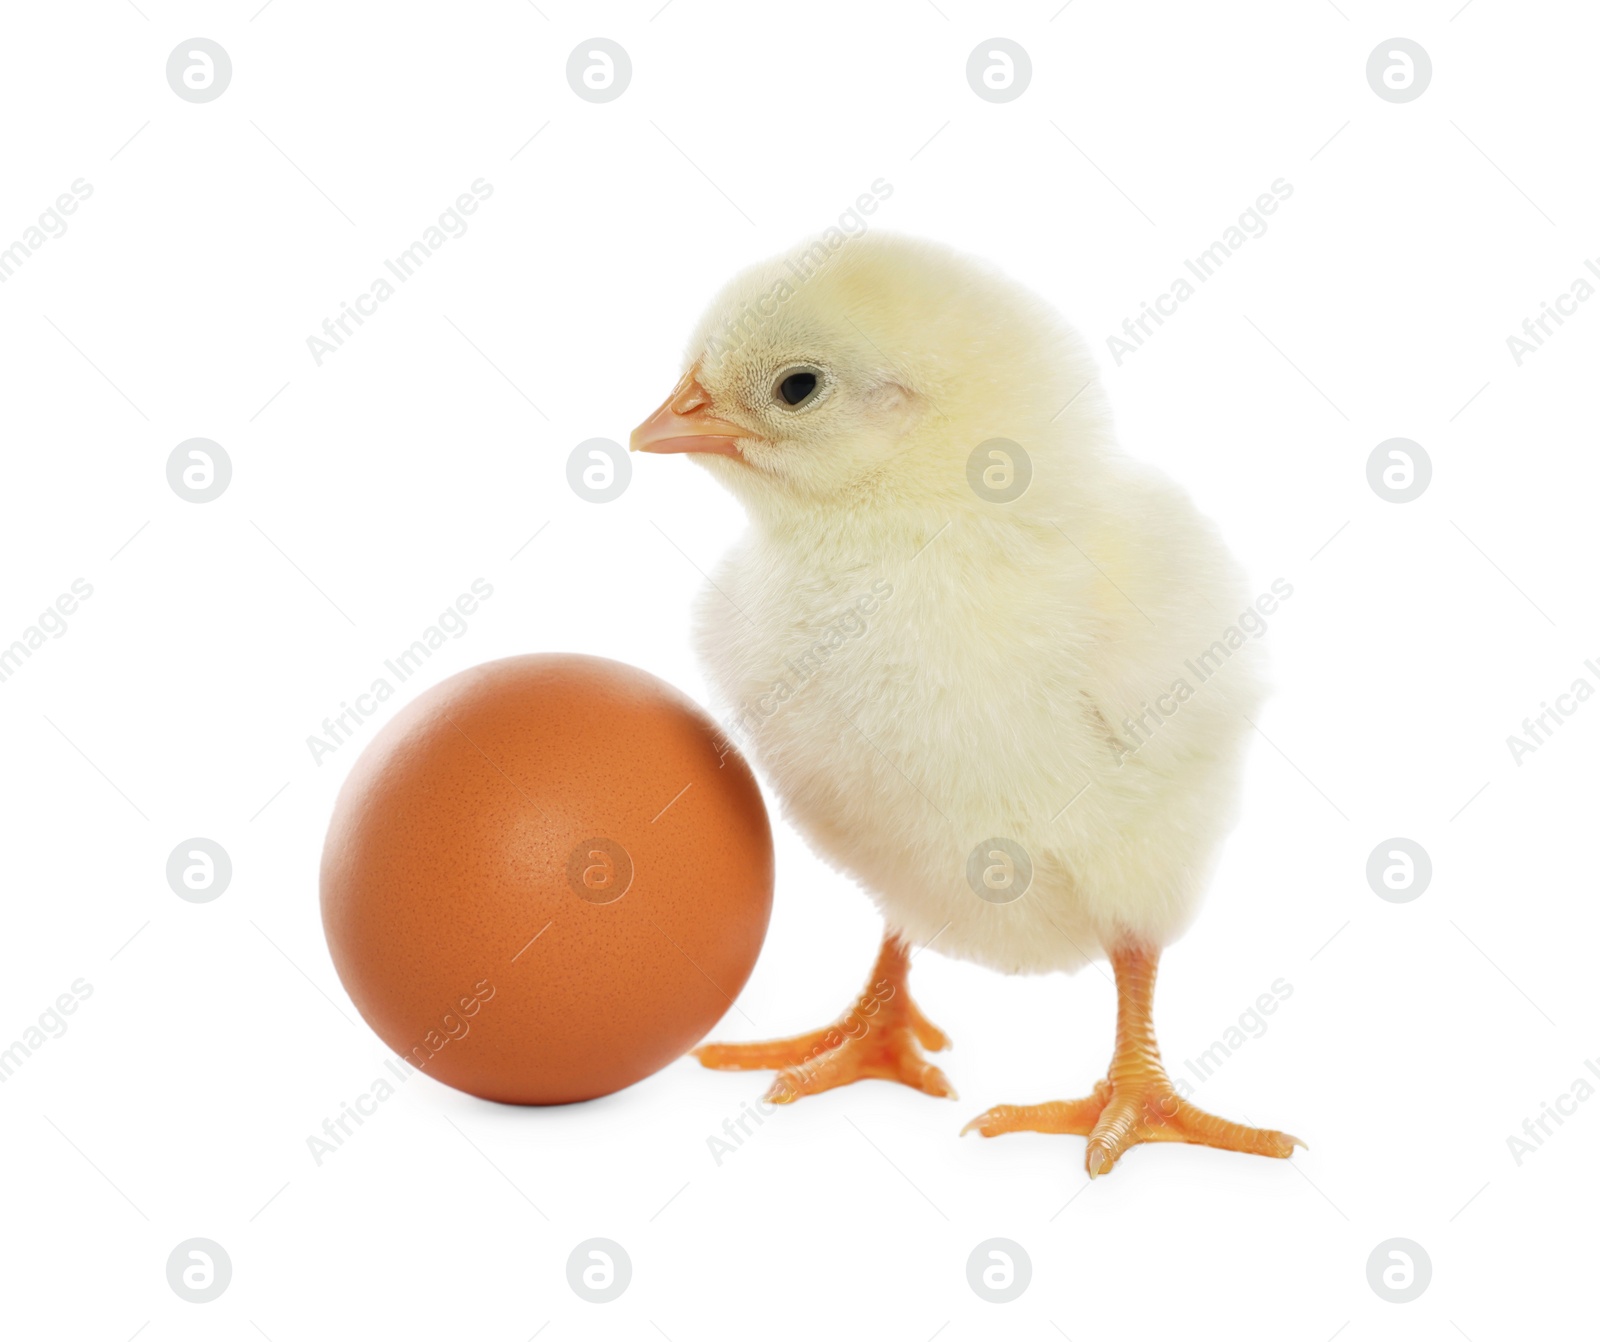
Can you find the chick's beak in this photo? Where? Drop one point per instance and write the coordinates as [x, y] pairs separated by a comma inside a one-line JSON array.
[[682, 423]]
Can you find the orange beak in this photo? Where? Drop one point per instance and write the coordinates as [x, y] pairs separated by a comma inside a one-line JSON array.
[[681, 424]]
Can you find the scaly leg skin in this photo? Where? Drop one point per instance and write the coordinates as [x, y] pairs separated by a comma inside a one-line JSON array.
[[1136, 1102], [876, 1039]]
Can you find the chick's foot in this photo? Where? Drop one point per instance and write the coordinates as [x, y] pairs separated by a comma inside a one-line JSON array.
[[877, 1039], [1122, 1114], [1136, 1102]]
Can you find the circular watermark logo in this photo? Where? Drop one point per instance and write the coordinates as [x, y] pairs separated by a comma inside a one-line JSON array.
[[1399, 470], [598, 470], [1399, 870], [599, 70], [999, 70], [599, 871], [1399, 70], [1399, 1270], [999, 870], [199, 870], [199, 70], [599, 1270], [999, 470], [199, 470], [199, 1270], [999, 1270]]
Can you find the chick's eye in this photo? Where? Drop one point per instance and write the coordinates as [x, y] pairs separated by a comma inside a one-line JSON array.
[[797, 387]]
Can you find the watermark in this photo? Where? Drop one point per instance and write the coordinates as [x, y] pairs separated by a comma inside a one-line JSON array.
[[1139, 728], [1540, 728], [199, 870], [199, 70], [50, 624], [599, 70], [1399, 70], [199, 1270], [1399, 870], [999, 471], [456, 1023], [999, 871], [451, 624], [599, 470], [599, 1270], [1536, 330], [802, 266], [999, 70], [451, 223], [199, 470], [1251, 1024], [855, 1023], [999, 1270], [739, 1128], [1252, 223], [804, 666], [1399, 1270], [1399, 470], [51, 1025], [1537, 1130], [52, 224], [336, 1130], [600, 871]]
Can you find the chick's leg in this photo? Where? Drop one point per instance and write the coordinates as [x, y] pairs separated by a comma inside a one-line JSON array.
[[877, 1038], [1136, 1102]]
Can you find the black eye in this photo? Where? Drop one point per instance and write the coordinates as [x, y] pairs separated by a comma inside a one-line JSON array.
[[796, 387]]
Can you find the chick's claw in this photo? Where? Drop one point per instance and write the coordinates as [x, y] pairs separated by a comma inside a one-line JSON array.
[[929, 1035], [1123, 1114], [877, 1039], [885, 1053], [1149, 1110], [767, 1056], [1057, 1116]]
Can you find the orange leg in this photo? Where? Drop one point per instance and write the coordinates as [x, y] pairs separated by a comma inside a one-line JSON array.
[[876, 1039], [1136, 1102]]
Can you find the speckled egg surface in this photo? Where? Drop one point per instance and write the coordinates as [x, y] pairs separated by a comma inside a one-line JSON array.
[[546, 878]]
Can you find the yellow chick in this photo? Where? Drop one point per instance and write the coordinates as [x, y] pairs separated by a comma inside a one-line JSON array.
[[979, 654]]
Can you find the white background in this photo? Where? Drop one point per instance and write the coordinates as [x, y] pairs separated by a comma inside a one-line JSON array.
[[370, 491]]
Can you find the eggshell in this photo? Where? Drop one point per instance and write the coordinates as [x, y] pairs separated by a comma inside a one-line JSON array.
[[546, 878]]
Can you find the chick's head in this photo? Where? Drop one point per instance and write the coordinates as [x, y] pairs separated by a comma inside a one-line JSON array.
[[865, 372]]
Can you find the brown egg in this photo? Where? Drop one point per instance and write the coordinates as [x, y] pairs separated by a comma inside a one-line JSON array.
[[546, 878]]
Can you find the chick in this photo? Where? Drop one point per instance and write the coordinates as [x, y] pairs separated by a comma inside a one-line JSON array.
[[981, 656]]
